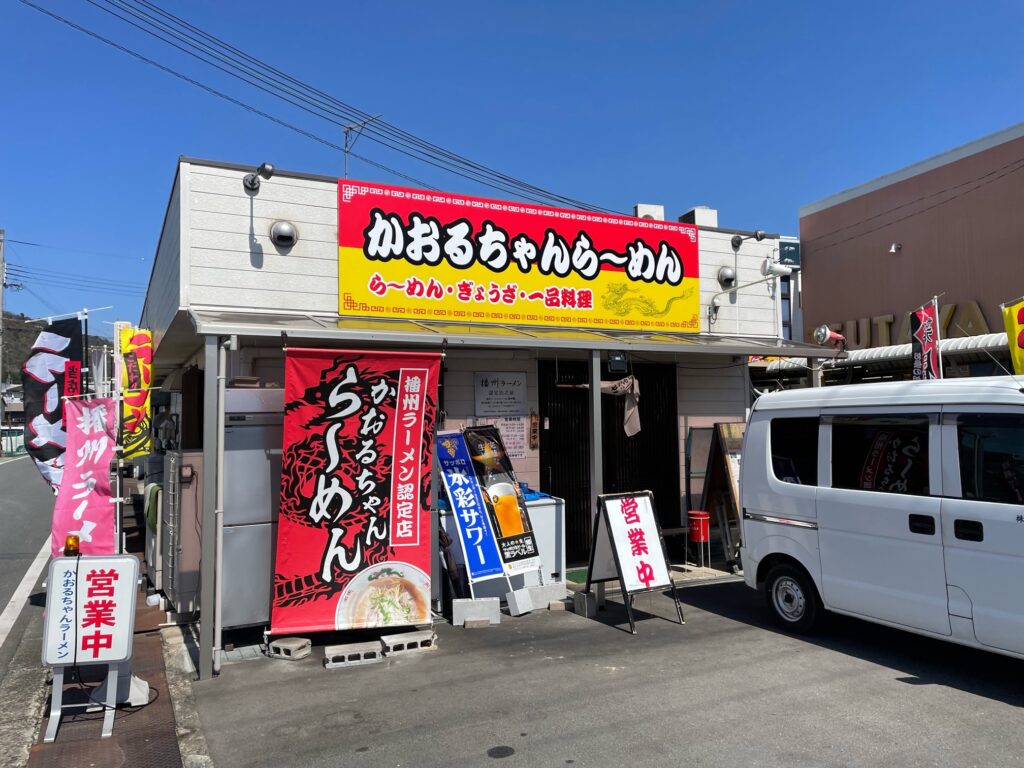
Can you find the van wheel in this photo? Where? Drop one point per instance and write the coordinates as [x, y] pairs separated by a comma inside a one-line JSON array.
[[793, 599]]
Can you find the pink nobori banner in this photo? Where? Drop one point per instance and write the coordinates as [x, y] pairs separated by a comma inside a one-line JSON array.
[[84, 507]]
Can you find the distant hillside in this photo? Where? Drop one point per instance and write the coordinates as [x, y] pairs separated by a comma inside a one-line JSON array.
[[18, 337]]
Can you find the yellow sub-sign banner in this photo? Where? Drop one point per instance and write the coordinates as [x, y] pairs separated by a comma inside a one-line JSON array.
[[1013, 317], [136, 351]]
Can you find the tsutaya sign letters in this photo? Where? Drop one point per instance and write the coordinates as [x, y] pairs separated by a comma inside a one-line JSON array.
[[419, 255], [353, 541]]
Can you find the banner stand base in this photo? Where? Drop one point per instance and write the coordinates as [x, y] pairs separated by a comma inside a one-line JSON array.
[[519, 601]]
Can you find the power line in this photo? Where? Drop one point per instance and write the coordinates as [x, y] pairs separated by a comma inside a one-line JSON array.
[[76, 250], [318, 108], [382, 133], [377, 130], [17, 268]]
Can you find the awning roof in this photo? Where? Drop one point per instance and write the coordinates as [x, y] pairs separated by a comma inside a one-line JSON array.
[[965, 345], [218, 322]]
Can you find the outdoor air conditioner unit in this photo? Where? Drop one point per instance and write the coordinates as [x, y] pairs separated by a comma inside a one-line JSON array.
[[649, 211]]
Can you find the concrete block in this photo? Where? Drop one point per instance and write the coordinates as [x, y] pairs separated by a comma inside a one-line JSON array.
[[353, 654], [476, 623], [519, 601], [584, 604], [482, 608], [557, 605], [544, 594], [407, 642], [290, 648]]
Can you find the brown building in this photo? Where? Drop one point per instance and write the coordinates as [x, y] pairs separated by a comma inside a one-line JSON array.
[[952, 226]]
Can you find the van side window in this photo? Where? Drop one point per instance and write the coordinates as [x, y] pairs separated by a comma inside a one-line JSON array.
[[881, 453], [795, 450], [991, 450]]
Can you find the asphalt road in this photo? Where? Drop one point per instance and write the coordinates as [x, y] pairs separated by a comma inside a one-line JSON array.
[[557, 689], [26, 509]]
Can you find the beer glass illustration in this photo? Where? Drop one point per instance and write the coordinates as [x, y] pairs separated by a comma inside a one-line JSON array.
[[506, 509]]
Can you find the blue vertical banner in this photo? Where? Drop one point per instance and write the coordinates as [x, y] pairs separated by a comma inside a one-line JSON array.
[[468, 507]]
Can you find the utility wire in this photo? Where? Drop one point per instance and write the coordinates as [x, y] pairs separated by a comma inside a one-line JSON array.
[[191, 81], [377, 128], [382, 133], [311, 106]]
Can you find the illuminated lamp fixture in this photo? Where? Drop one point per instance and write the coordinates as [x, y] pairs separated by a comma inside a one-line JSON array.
[[252, 180], [826, 337], [71, 546]]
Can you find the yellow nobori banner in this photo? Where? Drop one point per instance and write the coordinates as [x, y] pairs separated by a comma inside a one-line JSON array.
[[136, 351], [1013, 317], [416, 255]]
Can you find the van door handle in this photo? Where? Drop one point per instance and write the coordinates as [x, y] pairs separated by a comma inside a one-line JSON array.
[[969, 530], [922, 524]]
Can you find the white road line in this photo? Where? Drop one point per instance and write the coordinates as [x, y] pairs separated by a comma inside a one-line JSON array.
[[11, 460], [28, 581]]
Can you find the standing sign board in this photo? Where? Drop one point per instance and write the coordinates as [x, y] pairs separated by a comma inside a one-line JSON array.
[[413, 254], [504, 500], [636, 546], [353, 540], [90, 618], [470, 512], [722, 485]]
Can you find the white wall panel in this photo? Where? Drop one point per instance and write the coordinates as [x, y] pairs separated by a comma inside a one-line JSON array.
[[163, 296]]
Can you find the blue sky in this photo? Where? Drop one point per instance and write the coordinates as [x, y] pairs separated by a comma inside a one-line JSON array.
[[752, 108]]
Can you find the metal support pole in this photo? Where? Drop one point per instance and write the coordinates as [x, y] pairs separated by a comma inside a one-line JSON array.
[[815, 365], [596, 452], [207, 564]]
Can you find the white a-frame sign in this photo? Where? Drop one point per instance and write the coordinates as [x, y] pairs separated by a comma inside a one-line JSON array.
[[633, 551]]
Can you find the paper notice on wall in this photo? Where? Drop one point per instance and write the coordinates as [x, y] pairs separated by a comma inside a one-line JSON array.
[[513, 434]]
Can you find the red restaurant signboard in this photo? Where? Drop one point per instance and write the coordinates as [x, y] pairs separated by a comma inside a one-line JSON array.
[[353, 541]]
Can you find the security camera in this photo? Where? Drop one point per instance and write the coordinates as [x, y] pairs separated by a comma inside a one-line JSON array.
[[252, 180], [727, 277]]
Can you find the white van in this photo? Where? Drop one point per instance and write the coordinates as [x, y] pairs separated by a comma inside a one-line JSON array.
[[901, 503]]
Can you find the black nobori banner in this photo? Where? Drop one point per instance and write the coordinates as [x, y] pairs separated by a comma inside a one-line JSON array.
[[42, 377]]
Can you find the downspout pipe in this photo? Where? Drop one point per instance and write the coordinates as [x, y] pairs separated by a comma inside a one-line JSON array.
[[218, 512]]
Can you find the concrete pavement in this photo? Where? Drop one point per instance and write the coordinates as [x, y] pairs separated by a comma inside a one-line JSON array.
[[558, 689]]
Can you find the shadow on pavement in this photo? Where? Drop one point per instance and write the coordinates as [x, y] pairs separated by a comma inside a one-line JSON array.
[[925, 660]]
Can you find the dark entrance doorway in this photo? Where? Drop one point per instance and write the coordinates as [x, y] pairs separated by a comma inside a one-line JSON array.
[[647, 461]]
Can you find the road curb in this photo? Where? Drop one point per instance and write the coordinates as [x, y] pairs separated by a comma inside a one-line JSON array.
[[188, 726]]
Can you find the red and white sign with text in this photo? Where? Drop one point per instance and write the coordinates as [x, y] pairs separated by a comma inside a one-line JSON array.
[[90, 610], [353, 541], [84, 507], [637, 541]]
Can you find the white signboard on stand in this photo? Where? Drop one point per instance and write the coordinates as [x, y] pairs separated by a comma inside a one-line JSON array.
[[90, 610]]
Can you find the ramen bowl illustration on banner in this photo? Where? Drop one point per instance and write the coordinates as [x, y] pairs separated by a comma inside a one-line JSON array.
[[386, 594]]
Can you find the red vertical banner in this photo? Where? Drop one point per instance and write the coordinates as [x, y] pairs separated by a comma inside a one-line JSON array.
[[924, 342], [353, 540]]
